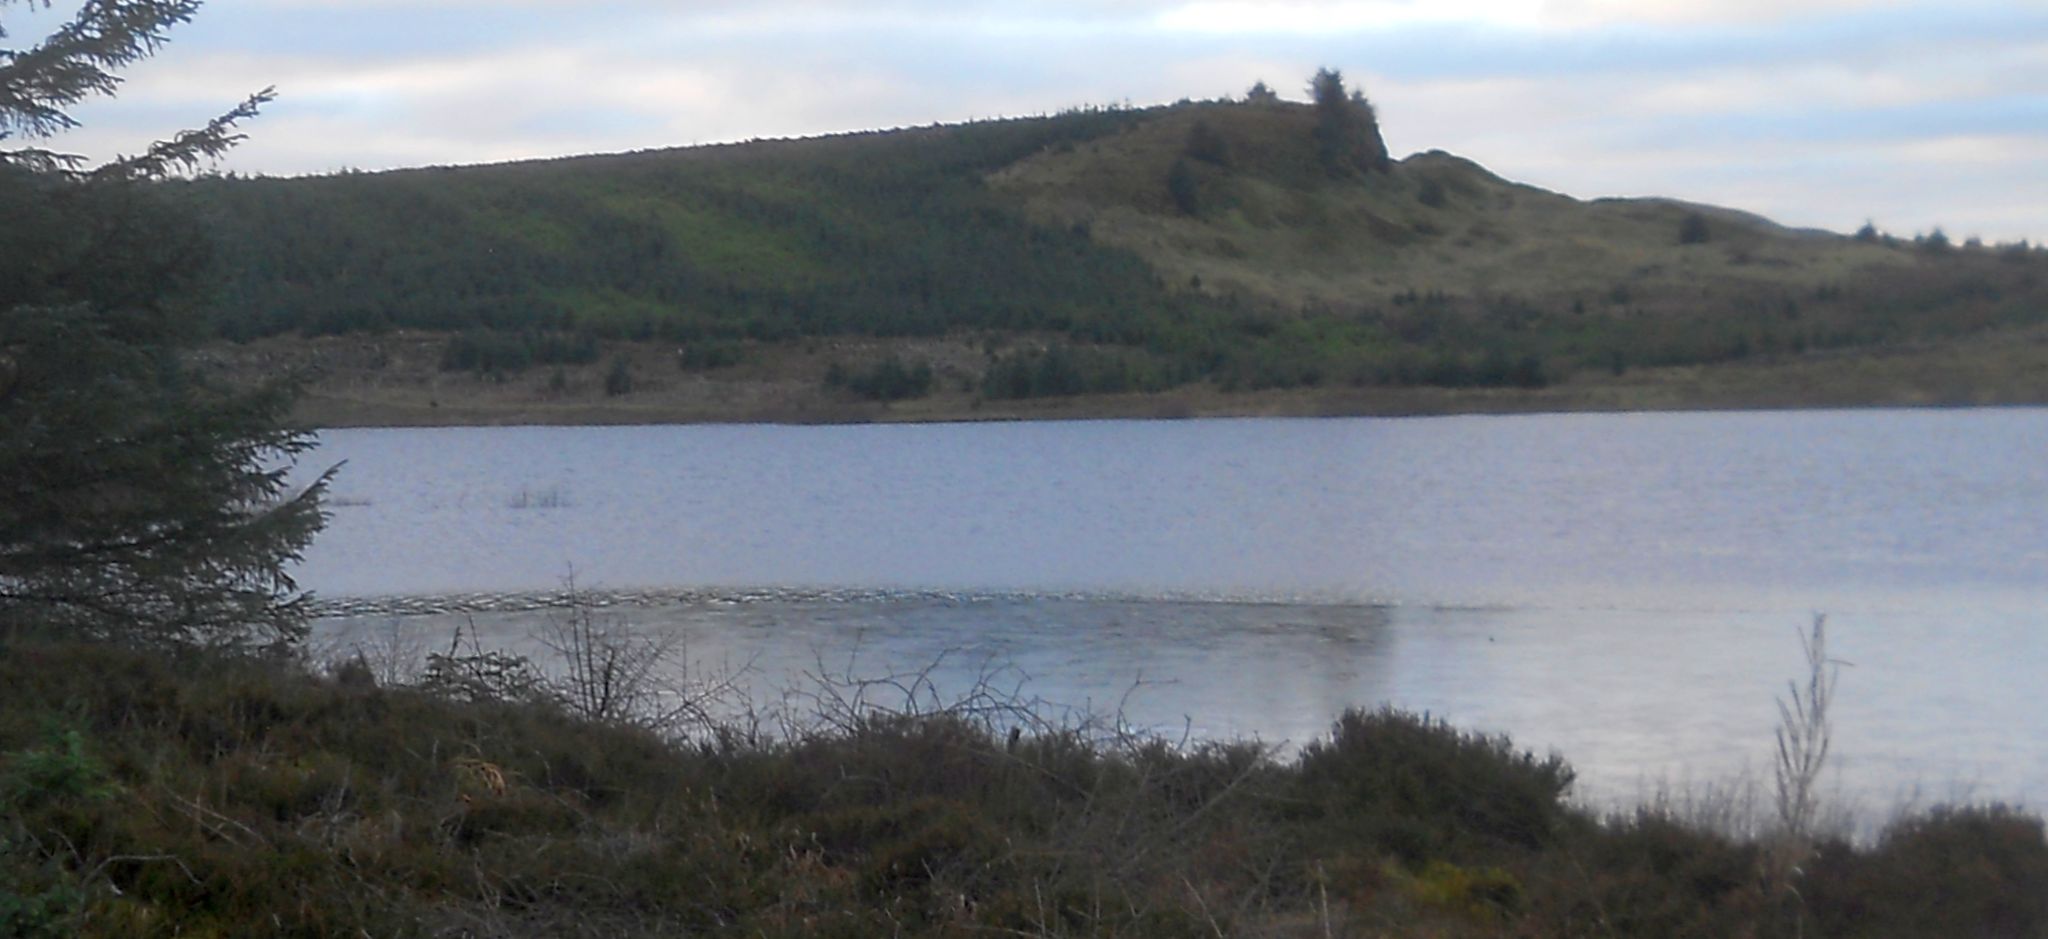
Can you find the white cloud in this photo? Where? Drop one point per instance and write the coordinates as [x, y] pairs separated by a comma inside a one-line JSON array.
[[1322, 18], [1583, 13]]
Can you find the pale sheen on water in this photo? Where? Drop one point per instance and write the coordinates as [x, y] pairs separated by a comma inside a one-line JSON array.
[[1625, 588]]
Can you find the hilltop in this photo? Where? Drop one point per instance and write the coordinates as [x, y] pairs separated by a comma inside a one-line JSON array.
[[1191, 259]]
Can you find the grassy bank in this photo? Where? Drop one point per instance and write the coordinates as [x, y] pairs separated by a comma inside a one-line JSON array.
[[152, 794], [396, 380]]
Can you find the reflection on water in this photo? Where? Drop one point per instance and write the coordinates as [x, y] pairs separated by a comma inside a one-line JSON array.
[[1634, 700], [1626, 589], [1225, 670]]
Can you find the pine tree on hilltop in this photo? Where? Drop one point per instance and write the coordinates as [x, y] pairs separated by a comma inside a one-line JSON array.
[[1347, 129], [138, 501], [1373, 147]]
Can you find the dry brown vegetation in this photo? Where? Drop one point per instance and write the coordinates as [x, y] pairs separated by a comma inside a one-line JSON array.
[[144, 794], [392, 380], [1276, 228]]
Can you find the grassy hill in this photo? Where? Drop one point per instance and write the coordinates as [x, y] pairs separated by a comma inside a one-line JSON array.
[[1271, 223], [1202, 246]]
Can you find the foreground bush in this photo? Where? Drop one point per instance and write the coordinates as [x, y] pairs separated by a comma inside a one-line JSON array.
[[151, 795]]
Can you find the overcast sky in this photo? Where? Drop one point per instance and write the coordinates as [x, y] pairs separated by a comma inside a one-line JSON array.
[[1914, 113]]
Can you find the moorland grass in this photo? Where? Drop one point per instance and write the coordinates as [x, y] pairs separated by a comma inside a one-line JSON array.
[[151, 794]]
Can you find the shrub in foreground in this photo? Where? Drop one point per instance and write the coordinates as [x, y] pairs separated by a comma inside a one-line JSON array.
[[189, 794], [1417, 786]]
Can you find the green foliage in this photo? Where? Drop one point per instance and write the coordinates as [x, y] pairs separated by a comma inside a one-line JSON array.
[[59, 769], [1960, 871], [141, 502], [1649, 874], [498, 352], [891, 379], [1417, 787], [866, 234], [1072, 370], [1347, 130], [32, 910]]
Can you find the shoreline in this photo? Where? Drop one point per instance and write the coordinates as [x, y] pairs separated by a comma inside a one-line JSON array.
[[395, 380], [329, 413]]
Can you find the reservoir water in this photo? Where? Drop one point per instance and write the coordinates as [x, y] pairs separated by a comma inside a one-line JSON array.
[[1626, 589]]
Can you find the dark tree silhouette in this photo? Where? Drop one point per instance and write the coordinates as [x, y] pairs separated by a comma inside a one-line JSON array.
[[137, 500], [1347, 129]]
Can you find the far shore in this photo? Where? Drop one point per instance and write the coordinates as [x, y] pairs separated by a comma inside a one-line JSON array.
[[394, 381], [336, 412]]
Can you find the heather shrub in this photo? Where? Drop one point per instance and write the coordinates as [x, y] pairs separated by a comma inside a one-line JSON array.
[[1420, 788], [1955, 871]]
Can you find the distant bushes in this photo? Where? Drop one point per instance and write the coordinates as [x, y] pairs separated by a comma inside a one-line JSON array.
[[1067, 370], [706, 355], [503, 352], [891, 379]]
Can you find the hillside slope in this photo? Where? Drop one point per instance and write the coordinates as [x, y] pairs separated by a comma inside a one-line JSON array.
[[1272, 223], [1095, 252]]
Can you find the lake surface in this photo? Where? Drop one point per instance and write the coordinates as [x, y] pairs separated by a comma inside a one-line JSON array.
[[1627, 589]]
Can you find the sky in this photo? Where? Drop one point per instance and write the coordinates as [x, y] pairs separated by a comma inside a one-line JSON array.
[[1914, 114]]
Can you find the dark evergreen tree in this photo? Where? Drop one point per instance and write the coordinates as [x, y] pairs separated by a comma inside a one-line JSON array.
[[138, 501], [1347, 129], [1372, 146]]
